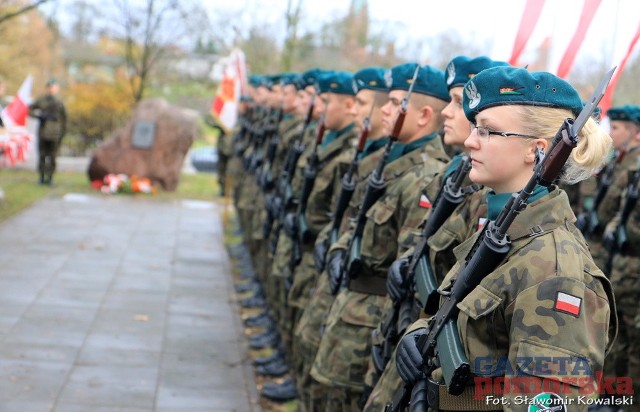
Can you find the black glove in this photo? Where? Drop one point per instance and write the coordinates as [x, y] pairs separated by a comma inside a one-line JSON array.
[[268, 203], [320, 254], [334, 270], [408, 358], [289, 224], [397, 283], [276, 205], [609, 241]]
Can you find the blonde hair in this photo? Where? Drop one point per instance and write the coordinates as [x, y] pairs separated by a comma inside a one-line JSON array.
[[594, 145]]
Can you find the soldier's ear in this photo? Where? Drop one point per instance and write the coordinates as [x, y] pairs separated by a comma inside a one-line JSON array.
[[349, 102], [426, 115], [535, 146]]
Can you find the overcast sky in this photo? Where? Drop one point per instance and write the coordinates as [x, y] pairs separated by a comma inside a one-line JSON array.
[[488, 22]]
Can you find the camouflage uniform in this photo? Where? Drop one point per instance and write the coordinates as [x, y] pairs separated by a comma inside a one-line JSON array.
[[333, 161], [625, 278], [518, 310], [241, 143], [253, 200], [461, 225], [247, 188], [225, 153], [280, 264], [344, 350], [289, 128], [308, 329]]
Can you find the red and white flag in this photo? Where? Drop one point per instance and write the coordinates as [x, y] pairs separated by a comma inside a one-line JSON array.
[[568, 303], [15, 114], [16, 139], [232, 86], [424, 201]]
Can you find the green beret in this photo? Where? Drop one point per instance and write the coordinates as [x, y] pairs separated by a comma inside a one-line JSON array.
[[336, 82], [275, 79], [430, 81], [255, 80], [310, 77], [597, 112], [371, 78], [626, 113], [507, 85], [265, 81], [462, 68], [290, 79]]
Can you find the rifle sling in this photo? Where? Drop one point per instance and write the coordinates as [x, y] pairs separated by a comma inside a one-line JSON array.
[[371, 285]]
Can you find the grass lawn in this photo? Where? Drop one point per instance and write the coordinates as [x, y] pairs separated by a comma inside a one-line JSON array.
[[21, 189]]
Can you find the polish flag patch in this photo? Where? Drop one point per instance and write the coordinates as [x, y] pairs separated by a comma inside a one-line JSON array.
[[424, 202], [568, 304], [481, 222]]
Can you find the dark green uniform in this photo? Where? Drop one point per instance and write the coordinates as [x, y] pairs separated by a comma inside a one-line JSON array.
[[53, 123]]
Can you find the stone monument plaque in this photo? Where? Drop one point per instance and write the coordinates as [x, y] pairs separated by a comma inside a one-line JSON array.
[[144, 132]]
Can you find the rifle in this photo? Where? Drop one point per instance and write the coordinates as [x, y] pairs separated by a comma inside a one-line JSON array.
[[419, 271], [441, 345], [618, 241], [252, 160], [265, 175], [283, 199], [301, 229], [348, 182], [587, 221], [352, 264], [240, 140], [310, 174], [262, 144]]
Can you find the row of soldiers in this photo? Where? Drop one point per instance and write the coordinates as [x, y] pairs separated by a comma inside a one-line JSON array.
[[357, 195]]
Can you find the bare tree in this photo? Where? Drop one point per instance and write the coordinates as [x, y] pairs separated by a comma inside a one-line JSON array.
[[153, 31], [21, 9], [292, 18]]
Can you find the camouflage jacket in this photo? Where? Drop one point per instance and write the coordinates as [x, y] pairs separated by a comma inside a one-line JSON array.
[[53, 117], [364, 169], [309, 141], [333, 161], [625, 265], [344, 351], [547, 301], [609, 205], [394, 219], [289, 130]]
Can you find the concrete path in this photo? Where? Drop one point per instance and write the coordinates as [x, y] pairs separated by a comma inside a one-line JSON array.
[[119, 304]]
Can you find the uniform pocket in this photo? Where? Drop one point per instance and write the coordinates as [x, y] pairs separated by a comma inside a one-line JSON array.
[[479, 324], [379, 236], [441, 240], [551, 362], [363, 310]]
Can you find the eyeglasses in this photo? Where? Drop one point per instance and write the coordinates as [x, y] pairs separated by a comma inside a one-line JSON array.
[[484, 133]]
